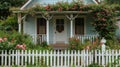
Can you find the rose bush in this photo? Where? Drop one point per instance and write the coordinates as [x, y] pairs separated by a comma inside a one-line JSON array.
[[10, 45], [21, 46], [5, 44]]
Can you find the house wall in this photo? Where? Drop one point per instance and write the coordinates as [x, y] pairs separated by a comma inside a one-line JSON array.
[[89, 28], [118, 30], [29, 26], [51, 27]]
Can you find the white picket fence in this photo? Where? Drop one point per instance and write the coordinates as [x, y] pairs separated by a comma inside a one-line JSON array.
[[59, 58]]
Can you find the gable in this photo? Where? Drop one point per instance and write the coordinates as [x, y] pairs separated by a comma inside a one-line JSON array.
[[32, 3]]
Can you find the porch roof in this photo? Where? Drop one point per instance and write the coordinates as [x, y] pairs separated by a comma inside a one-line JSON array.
[[55, 12]]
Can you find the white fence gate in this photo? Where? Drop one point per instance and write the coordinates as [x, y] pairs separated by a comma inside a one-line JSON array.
[[59, 58]]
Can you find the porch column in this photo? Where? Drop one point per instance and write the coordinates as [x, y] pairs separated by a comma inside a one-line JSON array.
[[71, 18], [19, 23], [47, 29], [71, 25], [47, 18]]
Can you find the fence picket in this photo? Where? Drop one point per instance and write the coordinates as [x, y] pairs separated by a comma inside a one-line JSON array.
[[112, 56], [47, 59], [9, 58], [2, 57], [106, 57], [119, 56], [26, 57], [5, 57], [33, 57], [54, 58], [116, 56]]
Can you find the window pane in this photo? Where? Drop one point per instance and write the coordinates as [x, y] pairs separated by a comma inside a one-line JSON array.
[[79, 26], [59, 25], [41, 23]]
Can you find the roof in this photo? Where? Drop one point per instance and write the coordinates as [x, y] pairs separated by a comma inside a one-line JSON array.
[[56, 12], [26, 4], [30, 1]]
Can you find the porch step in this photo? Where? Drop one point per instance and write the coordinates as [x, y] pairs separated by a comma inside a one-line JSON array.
[[59, 46]]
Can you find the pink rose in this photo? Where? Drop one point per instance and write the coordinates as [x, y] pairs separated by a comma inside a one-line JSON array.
[[18, 46], [5, 39], [24, 45], [1, 40], [23, 48]]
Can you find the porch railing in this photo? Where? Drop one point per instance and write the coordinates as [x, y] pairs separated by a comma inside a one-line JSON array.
[[42, 37], [82, 38], [39, 38]]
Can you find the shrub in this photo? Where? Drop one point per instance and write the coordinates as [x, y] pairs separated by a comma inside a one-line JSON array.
[[94, 65], [113, 44], [44, 44], [13, 39], [5, 44], [9, 24], [74, 43]]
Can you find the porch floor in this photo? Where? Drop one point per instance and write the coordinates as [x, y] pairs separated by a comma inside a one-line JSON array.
[[59, 46]]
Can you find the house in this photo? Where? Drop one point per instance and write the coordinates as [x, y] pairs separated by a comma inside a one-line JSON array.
[[59, 26]]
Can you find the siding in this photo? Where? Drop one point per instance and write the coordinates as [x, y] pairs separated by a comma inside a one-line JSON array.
[[51, 31], [118, 30], [30, 25], [89, 28]]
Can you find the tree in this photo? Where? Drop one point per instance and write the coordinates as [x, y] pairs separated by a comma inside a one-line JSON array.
[[5, 5], [113, 1]]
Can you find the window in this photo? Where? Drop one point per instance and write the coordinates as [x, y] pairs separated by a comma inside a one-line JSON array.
[[79, 26], [59, 25], [41, 26]]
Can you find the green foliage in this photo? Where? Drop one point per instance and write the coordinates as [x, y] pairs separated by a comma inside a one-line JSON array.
[[115, 62], [104, 21], [113, 44], [94, 65], [60, 6], [5, 5], [6, 44], [74, 43], [9, 24], [112, 1], [15, 38], [44, 44], [4, 10]]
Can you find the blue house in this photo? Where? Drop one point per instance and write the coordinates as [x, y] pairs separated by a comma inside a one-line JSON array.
[[60, 25]]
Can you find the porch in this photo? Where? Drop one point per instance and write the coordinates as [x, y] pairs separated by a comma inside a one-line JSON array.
[[43, 38], [58, 27]]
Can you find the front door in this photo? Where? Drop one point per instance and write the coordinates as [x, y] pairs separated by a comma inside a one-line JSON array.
[[60, 31]]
